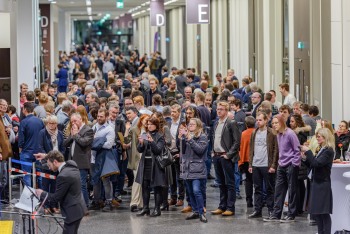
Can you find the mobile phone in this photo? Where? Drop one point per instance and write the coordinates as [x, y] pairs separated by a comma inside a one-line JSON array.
[[144, 136]]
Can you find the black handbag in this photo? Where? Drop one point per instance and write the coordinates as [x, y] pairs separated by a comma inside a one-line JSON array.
[[165, 158]]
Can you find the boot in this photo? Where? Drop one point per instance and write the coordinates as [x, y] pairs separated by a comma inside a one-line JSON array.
[[156, 212], [158, 199], [144, 211]]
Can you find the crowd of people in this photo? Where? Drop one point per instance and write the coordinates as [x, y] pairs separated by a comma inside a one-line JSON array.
[[118, 118]]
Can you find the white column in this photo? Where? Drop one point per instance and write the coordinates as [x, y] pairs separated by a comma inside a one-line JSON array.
[[22, 45], [239, 40], [222, 45], [291, 45], [163, 41], [68, 29], [337, 61], [191, 45], [54, 39], [205, 51], [346, 58]]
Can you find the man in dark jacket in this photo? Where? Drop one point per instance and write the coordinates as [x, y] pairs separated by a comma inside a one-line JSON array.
[[226, 146], [153, 82], [68, 191], [27, 138], [263, 163], [79, 141]]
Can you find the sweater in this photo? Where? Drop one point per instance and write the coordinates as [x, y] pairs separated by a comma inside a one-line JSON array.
[[289, 152]]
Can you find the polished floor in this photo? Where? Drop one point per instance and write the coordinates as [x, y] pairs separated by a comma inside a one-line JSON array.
[[121, 220]]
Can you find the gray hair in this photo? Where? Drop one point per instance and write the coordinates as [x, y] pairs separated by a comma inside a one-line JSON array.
[[144, 75], [51, 118], [66, 106], [89, 89], [166, 111]]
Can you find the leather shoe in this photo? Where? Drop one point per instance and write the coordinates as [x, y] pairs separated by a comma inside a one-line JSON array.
[[179, 203], [203, 219], [144, 211], [255, 214], [134, 208], [192, 216], [217, 212], [228, 213], [186, 209], [172, 202]]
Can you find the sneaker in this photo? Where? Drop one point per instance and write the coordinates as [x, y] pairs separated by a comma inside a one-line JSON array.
[[287, 219], [118, 198], [271, 219], [108, 207]]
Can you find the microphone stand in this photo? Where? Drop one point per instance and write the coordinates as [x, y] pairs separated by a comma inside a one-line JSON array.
[[33, 214]]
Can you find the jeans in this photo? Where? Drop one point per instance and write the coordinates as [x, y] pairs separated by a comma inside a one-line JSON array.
[[178, 183], [107, 186], [237, 178], [123, 166], [27, 157], [286, 179], [261, 175], [208, 162], [196, 194], [83, 179], [225, 172]]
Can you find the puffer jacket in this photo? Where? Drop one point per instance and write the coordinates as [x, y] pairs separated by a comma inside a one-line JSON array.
[[192, 162]]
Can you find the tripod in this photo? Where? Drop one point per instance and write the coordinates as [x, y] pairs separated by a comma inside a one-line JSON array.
[[33, 214]]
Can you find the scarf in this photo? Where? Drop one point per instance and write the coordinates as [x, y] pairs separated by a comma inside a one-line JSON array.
[[53, 134], [341, 133]]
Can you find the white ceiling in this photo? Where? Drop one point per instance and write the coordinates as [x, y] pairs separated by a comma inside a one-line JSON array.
[[77, 8]]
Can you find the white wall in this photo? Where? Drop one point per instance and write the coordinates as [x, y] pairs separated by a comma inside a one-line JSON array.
[[5, 40], [340, 60]]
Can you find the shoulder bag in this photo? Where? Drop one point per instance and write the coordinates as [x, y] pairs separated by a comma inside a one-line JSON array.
[[165, 158]]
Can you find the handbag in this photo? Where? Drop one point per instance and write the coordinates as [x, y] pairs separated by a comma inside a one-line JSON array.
[[165, 158]]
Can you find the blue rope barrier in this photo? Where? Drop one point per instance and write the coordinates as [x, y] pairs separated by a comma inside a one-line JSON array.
[[21, 162]]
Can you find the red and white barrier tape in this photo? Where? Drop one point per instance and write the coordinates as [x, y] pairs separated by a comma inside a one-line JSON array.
[[44, 175]]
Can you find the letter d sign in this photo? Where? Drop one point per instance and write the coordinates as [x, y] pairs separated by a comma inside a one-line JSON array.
[[157, 13]]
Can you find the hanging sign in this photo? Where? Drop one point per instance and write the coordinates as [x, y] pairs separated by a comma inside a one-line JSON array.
[[198, 11], [157, 13]]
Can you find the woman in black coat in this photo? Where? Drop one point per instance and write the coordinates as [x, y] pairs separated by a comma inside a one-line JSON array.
[[321, 200], [296, 122], [193, 168], [149, 173], [50, 138]]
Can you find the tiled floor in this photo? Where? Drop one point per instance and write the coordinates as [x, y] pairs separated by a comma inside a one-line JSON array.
[[122, 220]]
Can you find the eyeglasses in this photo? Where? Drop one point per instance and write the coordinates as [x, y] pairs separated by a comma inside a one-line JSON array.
[[192, 124], [220, 109], [51, 123]]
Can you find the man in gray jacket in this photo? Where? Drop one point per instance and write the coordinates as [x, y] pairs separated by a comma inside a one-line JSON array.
[[79, 141]]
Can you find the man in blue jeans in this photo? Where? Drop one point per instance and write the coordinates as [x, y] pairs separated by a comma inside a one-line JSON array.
[[27, 138]]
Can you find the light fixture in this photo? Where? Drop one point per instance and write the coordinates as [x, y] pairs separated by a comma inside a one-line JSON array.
[[89, 10], [88, 2], [90, 18]]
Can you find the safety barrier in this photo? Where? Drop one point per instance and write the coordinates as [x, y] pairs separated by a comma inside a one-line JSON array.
[[34, 174]]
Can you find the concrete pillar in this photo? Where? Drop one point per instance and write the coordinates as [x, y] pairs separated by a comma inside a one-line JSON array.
[[24, 25], [239, 37], [191, 45]]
